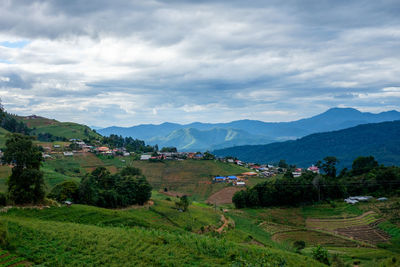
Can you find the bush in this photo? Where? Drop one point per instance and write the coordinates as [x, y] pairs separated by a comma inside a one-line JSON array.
[[4, 238], [320, 254], [67, 190], [3, 199], [299, 245]]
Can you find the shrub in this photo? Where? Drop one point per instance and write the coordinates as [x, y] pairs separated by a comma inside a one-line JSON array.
[[320, 254], [299, 245], [3, 199], [4, 239], [67, 190]]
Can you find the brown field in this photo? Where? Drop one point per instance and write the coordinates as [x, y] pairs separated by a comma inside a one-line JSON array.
[[224, 196], [313, 238]]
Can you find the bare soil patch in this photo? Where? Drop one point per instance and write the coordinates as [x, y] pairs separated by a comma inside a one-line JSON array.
[[224, 196]]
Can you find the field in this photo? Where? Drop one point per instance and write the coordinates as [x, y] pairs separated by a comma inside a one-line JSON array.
[[158, 235], [65, 129]]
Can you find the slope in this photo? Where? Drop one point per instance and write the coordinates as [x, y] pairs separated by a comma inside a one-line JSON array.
[[381, 140], [192, 139]]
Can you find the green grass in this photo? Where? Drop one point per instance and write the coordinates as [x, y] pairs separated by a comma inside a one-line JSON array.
[[66, 129], [8, 259], [340, 210], [3, 133], [62, 237]]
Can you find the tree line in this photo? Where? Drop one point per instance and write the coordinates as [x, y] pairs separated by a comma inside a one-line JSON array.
[[366, 177]]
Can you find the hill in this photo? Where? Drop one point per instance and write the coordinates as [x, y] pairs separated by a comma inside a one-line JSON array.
[[185, 137], [381, 140]]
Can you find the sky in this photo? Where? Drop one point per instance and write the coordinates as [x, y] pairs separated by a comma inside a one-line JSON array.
[[126, 63]]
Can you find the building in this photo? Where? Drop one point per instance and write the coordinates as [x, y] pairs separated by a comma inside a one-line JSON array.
[[313, 169], [68, 153], [240, 183], [232, 178], [145, 157], [219, 179]]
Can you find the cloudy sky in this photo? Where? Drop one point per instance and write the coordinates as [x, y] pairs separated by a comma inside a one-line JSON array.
[[130, 62]]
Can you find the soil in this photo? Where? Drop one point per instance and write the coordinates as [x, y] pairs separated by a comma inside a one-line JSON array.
[[224, 196]]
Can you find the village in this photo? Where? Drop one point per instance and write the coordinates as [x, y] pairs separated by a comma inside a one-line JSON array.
[[76, 146]]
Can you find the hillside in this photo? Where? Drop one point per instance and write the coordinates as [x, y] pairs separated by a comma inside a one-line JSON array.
[[191, 139], [197, 135], [381, 140]]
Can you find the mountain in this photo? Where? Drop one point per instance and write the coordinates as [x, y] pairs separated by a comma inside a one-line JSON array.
[[381, 140], [257, 131], [198, 140]]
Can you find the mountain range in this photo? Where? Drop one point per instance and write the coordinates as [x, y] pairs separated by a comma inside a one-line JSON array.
[[209, 136], [381, 140]]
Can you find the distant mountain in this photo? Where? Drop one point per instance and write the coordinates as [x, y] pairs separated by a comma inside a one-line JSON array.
[[257, 131], [381, 140], [201, 140]]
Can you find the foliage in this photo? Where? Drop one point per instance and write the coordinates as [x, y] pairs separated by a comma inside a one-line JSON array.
[[169, 149], [67, 190], [183, 203], [320, 254], [329, 166], [48, 137], [4, 235], [381, 140], [299, 245], [11, 124], [363, 165], [26, 183], [131, 145], [3, 199], [100, 188]]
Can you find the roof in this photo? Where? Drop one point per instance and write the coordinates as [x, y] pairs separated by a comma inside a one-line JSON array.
[[232, 177], [220, 177]]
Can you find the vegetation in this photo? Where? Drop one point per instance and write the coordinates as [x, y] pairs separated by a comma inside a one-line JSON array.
[[131, 145], [102, 189], [381, 140], [26, 183], [311, 187]]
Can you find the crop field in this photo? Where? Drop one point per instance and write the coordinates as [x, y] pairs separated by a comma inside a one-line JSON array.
[[9, 259], [155, 236]]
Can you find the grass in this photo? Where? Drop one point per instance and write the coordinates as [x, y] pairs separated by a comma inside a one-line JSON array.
[[82, 235], [66, 129], [9, 259]]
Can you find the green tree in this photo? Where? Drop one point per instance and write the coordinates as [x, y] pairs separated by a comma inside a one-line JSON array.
[[26, 183], [67, 190], [329, 166], [183, 203], [282, 164], [321, 254], [363, 165]]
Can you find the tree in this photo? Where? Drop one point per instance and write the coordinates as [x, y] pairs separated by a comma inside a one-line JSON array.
[[320, 254], [67, 190], [26, 183], [329, 166], [363, 165], [183, 203], [282, 164]]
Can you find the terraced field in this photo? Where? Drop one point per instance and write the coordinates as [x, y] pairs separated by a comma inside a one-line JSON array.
[[362, 228]]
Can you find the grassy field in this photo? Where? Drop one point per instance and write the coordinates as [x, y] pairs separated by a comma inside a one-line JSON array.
[[65, 129], [157, 235]]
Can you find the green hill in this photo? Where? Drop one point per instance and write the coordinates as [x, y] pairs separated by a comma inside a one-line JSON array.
[[68, 130], [89, 236], [381, 140]]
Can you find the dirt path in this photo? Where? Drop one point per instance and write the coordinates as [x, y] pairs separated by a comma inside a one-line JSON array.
[[225, 224]]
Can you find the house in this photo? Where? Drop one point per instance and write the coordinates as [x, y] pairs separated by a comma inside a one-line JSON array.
[[68, 153], [232, 178], [145, 157], [103, 149], [382, 199], [296, 174], [126, 154], [240, 183], [313, 169], [57, 146], [230, 160], [219, 179]]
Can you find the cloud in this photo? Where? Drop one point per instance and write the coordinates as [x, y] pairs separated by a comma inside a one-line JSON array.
[[130, 62]]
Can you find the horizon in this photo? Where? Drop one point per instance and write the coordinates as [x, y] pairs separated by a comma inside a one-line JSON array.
[[131, 63], [156, 124]]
